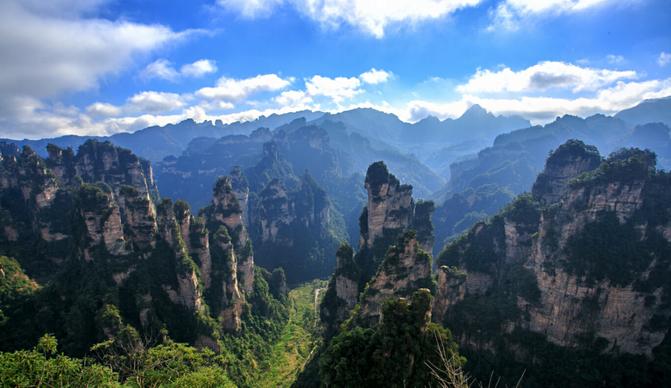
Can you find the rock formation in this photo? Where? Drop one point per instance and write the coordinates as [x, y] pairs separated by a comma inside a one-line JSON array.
[[97, 212], [581, 260], [405, 269], [390, 205], [567, 162], [296, 229], [392, 261]]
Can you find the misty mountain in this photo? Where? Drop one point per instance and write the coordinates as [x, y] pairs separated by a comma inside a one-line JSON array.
[[490, 179], [155, 143], [435, 143], [649, 111]]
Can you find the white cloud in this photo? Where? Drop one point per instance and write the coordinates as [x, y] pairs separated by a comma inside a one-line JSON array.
[[155, 102], [293, 98], [160, 68], [370, 16], [418, 109], [608, 101], [216, 105], [510, 14], [199, 68], [337, 89], [164, 69], [230, 89], [54, 52], [375, 76], [542, 77], [60, 46], [102, 109], [664, 59]]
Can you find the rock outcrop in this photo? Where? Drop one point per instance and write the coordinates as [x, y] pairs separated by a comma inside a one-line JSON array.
[[342, 293], [97, 212], [581, 260], [390, 206], [567, 162], [392, 261], [296, 229], [226, 211], [406, 268]]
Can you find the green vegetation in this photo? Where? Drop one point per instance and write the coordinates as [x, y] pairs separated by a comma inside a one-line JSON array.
[[478, 250], [607, 249], [300, 337], [43, 366], [399, 352]]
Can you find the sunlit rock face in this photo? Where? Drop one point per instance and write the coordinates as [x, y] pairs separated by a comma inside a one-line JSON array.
[[583, 256], [98, 210], [405, 269], [395, 235]]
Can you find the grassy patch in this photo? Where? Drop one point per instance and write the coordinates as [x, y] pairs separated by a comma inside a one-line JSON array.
[[299, 337]]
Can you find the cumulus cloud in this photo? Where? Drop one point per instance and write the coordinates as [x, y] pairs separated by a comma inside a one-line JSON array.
[[295, 98], [52, 53], [60, 46], [370, 16], [155, 102], [103, 109], [609, 100], [510, 14], [417, 110], [164, 69], [230, 89], [337, 89], [664, 59], [199, 68], [542, 77], [375, 76]]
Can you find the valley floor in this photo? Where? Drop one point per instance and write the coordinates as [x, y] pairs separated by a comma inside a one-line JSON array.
[[299, 339]]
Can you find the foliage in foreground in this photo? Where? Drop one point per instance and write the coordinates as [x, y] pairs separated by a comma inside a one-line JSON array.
[[404, 350]]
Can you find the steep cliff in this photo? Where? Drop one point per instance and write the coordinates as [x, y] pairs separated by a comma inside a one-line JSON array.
[[405, 269], [581, 267], [90, 226], [297, 229], [392, 260]]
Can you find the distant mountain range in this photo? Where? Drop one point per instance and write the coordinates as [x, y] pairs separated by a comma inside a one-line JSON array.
[[155, 143], [472, 165]]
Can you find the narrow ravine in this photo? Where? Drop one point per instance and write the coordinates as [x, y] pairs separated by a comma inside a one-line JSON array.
[[299, 337]]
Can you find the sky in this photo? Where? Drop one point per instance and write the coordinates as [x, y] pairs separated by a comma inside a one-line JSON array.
[[99, 67]]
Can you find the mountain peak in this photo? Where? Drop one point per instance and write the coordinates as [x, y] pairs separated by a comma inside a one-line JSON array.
[[475, 111]]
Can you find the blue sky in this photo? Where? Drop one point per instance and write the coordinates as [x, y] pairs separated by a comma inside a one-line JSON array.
[[106, 66]]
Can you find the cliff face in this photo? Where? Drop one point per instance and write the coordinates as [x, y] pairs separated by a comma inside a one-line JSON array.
[[392, 261], [343, 290], [390, 205], [96, 212], [234, 260], [581, 260], [565, 163], [102, 162], [296, 228], [389, 213], [405, 269]]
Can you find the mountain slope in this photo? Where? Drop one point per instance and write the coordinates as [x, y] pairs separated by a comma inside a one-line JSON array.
[[90, 228], [649, 111], [573, 277]]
